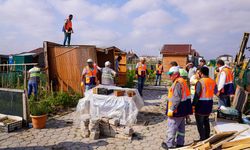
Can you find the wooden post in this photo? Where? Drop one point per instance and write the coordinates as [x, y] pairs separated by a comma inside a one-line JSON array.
[[25, 77]]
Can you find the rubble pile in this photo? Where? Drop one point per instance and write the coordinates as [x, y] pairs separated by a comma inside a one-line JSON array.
[[107, 127]]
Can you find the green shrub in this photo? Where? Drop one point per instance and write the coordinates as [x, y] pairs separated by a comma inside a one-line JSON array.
[[130, 78], [38, 108]]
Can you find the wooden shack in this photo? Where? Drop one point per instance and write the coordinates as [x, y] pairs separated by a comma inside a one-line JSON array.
[[65, 64], [111, 54], [177, 52]]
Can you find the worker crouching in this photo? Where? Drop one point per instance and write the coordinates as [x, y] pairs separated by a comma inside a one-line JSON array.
[[178, 107]]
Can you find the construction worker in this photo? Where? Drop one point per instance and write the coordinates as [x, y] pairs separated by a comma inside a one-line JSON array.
[[34, 78], [68, 29], [159, 70], [224, 83], [108, 74], [141, 73], [178, 107], [89, 76], [202, 63], [203, 102]]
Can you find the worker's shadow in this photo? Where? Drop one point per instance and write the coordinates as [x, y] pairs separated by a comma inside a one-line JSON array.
[[150, 118]]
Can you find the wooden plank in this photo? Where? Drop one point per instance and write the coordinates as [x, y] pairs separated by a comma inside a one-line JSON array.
[[239, 147], [235, 143], [218, 144]]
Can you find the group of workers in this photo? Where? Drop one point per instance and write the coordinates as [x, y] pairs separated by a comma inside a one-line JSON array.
[[182, 102]]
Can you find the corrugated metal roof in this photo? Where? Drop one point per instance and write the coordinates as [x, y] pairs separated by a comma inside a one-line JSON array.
[[176, 49]]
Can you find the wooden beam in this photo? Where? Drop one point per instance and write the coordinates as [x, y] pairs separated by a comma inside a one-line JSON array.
[[214, 146], [239, 147], [235, 143]]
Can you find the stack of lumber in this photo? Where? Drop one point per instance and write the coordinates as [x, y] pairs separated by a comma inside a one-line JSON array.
[[220, 141]]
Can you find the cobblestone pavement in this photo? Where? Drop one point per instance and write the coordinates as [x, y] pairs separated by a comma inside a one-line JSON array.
[[62, 134]]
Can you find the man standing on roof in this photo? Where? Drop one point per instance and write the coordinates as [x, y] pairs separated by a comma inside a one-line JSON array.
[[141, 73], [224, 83], [108, 74], [68, 29], [203, 102], [178, 107], [159, 71], [89, 76]]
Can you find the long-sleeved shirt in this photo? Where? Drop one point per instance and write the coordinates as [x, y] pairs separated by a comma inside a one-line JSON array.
[[222, 79], [177, 95]]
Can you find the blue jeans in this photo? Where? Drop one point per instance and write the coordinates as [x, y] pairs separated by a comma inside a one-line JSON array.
[[158, 79], [32, 85], [67, 36], [141, 81]]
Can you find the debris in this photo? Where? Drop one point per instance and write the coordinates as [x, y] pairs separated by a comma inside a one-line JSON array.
[[94, 135], [114, 121]]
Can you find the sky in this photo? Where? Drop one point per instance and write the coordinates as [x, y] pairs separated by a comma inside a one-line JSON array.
[[213, 27]]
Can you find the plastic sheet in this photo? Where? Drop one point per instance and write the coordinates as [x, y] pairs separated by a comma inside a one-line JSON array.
[[96, 106]]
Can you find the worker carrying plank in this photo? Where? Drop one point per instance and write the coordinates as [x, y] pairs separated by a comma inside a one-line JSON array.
[[224, 83], [89, 76], [68, 29], [178, 107], [108, 74], [205, 89]]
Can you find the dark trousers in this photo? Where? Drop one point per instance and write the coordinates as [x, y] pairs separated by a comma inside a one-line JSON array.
[[67, 36], [224, 100], [158, 79], [141, 81], [203, 126]]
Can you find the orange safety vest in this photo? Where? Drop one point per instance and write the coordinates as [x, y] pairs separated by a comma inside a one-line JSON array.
[[228, 86], [68, 24], [159, 68], [141, 68], [185, 106], [229, 75], [204, 105], [90, 74], [208, 86]]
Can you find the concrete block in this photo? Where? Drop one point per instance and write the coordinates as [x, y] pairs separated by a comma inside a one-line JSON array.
[[114, 121], [94, 135], [94, 125], [85, 133]]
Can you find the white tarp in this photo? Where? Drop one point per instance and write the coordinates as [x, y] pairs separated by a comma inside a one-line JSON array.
[[96, 106]]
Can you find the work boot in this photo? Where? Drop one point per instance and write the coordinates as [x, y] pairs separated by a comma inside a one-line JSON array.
[[178, 146], [164, 145]]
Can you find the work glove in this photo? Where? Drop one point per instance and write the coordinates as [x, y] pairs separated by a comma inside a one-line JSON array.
[[170, 113], [82, 84]]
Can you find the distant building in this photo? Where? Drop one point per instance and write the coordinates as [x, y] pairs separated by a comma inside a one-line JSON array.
[[37, 56], [181, 53], [132, 57], [228, 59]]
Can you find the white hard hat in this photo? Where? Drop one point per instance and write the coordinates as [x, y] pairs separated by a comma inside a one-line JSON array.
[[89, 61], [172, 70], [107, 63]]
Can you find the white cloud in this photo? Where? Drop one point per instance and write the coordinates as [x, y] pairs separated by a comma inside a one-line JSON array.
[[141, 5], [153, 19]]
